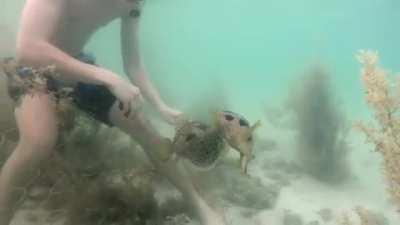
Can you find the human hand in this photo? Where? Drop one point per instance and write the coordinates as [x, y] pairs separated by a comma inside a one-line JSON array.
[[128, 95], [170, 115]]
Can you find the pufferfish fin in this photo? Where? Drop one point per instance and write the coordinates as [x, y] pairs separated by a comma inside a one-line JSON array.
[[255, 126], [214, 117]]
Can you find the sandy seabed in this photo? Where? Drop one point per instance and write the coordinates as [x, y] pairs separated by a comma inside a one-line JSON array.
[[278, 192]]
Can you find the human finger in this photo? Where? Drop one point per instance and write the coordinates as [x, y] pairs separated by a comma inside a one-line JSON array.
[[120, 105], [128, 108]]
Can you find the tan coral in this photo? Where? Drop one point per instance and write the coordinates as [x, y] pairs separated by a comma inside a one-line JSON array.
[[35, 82], [383, 97], [345, 220], [365, 217]]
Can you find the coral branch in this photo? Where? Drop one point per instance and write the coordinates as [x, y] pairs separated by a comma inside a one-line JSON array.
[[383, 100]]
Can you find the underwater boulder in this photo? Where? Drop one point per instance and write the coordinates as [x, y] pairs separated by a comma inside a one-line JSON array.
[[180, 219], [326, 215], [282, 171], [113, 200], [252, 195], [314, 222], [291, 218]]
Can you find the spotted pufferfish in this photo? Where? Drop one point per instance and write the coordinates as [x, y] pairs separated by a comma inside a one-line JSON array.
[[202, 145]]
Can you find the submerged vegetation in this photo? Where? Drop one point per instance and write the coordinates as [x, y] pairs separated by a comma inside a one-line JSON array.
[[97, 175], [320, 127], [383, 98], [364, 216]]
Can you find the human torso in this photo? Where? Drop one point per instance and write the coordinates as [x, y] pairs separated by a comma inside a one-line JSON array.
[[81, 18]]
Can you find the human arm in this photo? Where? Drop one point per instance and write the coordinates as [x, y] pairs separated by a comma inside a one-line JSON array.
[[135, 69], [39, 22]]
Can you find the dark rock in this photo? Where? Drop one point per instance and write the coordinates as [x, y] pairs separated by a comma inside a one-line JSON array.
[[226, 183], [291, 218], [326, 215], [315, 222]]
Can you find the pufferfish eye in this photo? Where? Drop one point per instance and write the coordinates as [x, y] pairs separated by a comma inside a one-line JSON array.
[[243, 123], [228, 117]]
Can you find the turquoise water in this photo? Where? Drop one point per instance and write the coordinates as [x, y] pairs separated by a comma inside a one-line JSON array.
[[252, 52], [256, 48]]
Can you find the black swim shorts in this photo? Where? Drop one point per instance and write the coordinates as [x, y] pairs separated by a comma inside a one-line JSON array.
[[96, 100]]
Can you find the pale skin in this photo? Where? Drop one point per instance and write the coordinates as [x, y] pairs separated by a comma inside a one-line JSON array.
[[50, 33]]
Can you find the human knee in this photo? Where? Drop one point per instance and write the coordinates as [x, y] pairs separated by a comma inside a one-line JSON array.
[[41, 145]]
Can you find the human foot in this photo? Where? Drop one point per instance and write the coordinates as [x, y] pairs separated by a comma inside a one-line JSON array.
[[209, 216]]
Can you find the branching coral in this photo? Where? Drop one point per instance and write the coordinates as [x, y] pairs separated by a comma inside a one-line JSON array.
[[365, 217], [384, 101], [369, 217], [345, 220]]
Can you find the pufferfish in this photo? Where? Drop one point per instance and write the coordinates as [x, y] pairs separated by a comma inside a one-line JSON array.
[[203, 145], [238, 133]]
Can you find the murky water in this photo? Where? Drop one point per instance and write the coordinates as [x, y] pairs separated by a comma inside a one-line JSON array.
[[258, 58]]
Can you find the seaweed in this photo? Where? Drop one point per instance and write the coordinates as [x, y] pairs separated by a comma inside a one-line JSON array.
[[321, 128], [96, 174], [114, 202], [382, 96]]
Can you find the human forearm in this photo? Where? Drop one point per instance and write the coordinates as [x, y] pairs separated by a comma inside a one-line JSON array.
[[42, 54], [134, 67], [169, 114], [141, 79]]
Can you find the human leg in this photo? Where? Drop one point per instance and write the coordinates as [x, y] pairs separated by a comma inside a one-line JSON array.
[[37, 125], [158, 149]]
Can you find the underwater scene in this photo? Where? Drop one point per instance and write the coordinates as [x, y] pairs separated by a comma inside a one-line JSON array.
[[224, 112]]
